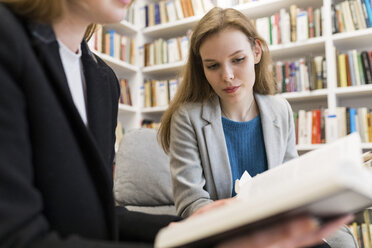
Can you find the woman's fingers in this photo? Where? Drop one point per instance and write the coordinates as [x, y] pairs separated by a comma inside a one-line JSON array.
[[212, 205], [294, 232], [325, 231]]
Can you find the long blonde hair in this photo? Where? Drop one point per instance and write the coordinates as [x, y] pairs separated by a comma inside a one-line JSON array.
[[194, 86], [44, 11]]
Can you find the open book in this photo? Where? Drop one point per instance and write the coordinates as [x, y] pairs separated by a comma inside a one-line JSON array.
[[326, 183]]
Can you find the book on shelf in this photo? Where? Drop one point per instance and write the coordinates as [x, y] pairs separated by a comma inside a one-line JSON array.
[[125, 96], [166, 51], [129, 15], [293, 22], [325, 183], [173, 10], [158, 93], [354, 68], [303, 74], [302, 25], [179, 9], [163, 12], [151, 14], [231, 3], [320, 126], [362, 229], [351, 15], [157, 14], [146, 123], [111, 43]]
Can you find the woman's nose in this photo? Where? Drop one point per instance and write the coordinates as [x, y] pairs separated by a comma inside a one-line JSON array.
[[228, 73]]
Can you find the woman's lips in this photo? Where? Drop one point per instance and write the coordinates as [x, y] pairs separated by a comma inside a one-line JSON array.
[[230, 90], [125, 2]]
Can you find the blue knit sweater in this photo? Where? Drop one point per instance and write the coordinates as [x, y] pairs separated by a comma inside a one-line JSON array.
[[245, 147]]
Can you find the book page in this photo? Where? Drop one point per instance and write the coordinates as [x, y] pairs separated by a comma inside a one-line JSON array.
[[305, 170]]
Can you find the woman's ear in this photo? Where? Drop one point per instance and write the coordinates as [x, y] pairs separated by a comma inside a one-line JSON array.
[[257, 51]]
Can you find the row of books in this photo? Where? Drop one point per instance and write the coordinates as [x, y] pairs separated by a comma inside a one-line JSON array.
[[129, 15], [351, 15], [295, 25], [321, 126], [232, 3], [125, 96], [155, 93], [109, 42], [354, 68], [363, 230], [172, 10], [165, 51], [300, 75], [147, 123]]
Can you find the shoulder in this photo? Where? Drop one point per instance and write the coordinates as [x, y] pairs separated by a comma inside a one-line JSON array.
[[275, 107], [273, 99], [275, 103], [10, 25], [14, 41], [190, 109], [89, 58], [93, 58], [189, 114]]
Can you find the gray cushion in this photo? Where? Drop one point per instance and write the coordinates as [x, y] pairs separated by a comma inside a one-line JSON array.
[[142, 177], [343, 238]]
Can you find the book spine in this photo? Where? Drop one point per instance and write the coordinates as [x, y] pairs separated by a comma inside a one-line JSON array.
[[311, 22], [331, 128], [354, 14], [347, 70], [353, 127], [351, 66], [342, 70], [157, 14], [366, 67], [360, 66], [335, 24], [367, 5], [356, 66], [293, 19], [302, 26]]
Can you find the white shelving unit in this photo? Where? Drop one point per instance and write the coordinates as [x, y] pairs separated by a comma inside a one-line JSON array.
[[331, 97]]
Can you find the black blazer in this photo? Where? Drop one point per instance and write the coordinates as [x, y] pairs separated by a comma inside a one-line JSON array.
[[55, 172]]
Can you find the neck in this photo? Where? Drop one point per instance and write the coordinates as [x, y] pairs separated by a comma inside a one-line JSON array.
[[70, 30], [240, 111]]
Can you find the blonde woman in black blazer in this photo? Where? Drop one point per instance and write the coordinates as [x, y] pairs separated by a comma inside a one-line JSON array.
[[56, 170]]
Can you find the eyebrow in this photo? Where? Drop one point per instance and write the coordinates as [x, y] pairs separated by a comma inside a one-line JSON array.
[[212, 60]]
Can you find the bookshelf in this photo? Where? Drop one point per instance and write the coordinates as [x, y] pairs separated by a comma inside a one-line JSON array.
[[326, 45]]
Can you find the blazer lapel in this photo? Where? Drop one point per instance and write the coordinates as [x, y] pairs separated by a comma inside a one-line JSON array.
[[47, 49], [216, 146], [271, 130], [99, 100]]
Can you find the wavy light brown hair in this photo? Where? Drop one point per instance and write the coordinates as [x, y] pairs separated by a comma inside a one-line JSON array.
[[45, 11], [194, 86]]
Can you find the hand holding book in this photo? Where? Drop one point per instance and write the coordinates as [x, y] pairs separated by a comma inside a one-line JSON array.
[[300, 231], [325, 184]]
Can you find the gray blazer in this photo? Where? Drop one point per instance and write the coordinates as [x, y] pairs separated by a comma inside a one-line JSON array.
[[199, 160]]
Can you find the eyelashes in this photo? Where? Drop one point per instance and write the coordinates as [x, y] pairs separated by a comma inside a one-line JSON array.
[[211, 67], [238, 60], [234, 61]]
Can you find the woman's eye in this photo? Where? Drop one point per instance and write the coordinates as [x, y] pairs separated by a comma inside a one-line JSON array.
[[211, 67], [239, 59]]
